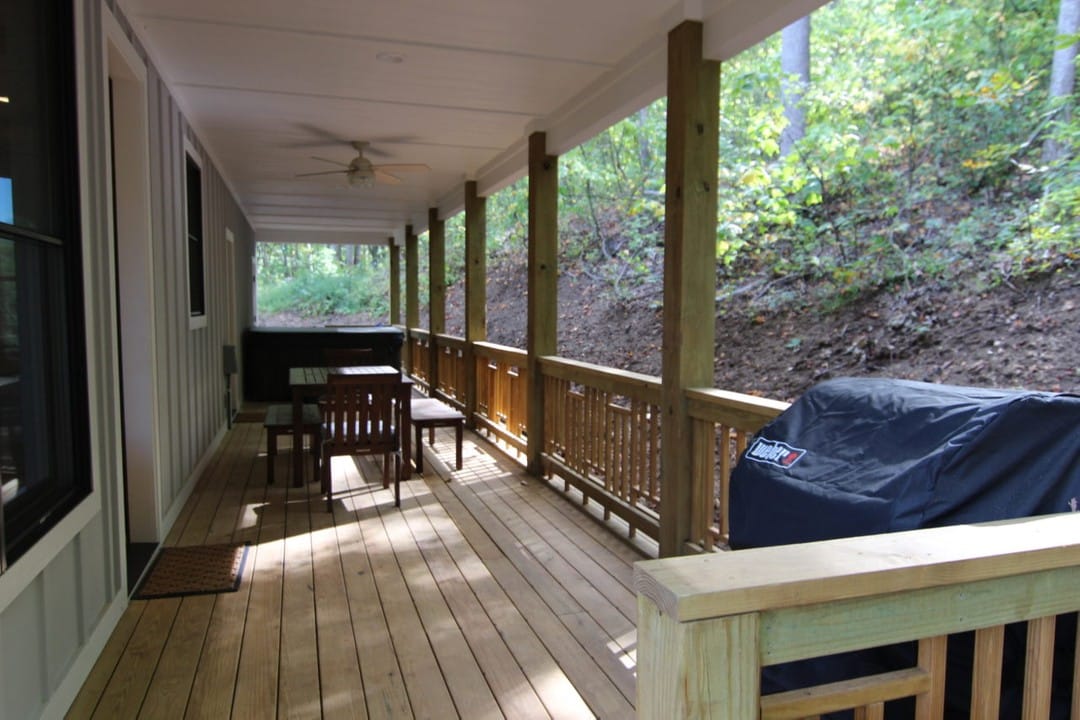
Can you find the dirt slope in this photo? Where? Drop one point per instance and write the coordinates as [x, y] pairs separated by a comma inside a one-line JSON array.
[[1024, 335]]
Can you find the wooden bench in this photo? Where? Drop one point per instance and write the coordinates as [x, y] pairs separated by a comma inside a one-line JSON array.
[[279, 422], [430, 414]]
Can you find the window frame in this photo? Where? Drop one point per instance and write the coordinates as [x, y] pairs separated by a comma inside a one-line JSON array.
[[197, 319], [72, 511]]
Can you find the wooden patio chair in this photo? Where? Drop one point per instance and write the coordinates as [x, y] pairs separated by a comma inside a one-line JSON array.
[[360, 415]]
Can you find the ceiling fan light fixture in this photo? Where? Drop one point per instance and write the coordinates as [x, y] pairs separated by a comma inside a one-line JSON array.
[[361, 179]]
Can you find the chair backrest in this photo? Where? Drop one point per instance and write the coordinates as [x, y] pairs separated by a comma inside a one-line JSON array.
[[345, 357], [360, 413]]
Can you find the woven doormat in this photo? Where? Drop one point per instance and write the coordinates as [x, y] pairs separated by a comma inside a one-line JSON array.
[[194, 570]]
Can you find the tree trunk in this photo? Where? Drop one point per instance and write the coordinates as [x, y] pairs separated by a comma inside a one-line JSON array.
[[1063, 73], [795, 68]]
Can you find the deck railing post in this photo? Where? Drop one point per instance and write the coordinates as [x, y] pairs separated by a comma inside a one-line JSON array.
[[689, 267], [395, 281], [702, 669], [412, 290], [542, 335], [436, 294], [475, 290]]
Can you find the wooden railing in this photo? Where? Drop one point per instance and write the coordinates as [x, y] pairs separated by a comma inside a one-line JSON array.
[[602, 428], [722, 425], [452, 370], [708, 624], [602, 435], [501, 392], [419, 356]]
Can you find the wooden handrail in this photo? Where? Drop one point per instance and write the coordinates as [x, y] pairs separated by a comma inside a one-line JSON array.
[[501, 353], [707, 624], [745, 412], [703, 586], [450, 341], [609, 380]]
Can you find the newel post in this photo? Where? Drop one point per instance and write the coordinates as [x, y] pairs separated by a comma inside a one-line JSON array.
[[543, 306], [436, 293], [689, 267], [475, 289]]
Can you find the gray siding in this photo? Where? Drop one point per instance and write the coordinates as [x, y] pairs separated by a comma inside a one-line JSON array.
[[49, 632]]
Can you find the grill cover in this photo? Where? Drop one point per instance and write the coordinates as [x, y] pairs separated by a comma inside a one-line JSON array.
[[863, 456]]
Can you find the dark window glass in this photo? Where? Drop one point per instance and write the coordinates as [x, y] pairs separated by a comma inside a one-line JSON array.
[[195, 238], [44, 449]]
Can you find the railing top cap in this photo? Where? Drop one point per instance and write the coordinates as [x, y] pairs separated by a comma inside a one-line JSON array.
[[730, 583]]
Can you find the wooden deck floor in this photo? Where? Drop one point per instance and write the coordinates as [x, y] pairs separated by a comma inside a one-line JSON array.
[[487, 596]]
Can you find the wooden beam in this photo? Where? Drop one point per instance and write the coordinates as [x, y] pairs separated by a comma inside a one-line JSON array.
[[543, 300], [475, 289], [689, 265], [395, 283], [703, 669], [412, 291], [436, 291]]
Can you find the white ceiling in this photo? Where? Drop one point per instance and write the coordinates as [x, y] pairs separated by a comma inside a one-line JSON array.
[[267, 84]]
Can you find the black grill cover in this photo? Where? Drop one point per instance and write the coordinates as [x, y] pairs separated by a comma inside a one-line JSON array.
[[863, 456]]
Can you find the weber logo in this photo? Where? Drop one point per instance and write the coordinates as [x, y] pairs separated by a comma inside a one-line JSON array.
[[773, 452]]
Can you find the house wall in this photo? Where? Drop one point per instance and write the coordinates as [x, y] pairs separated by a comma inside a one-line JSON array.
[[60, 601]]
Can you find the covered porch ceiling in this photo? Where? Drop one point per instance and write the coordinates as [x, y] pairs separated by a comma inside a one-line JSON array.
[[457, 85]]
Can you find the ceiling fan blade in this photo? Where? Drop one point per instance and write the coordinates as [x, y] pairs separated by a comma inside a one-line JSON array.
[[415, 167], [326, 172], [386, 178], [332, 162]]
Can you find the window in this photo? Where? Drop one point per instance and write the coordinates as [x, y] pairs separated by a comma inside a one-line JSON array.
[[196, 289], [44, 438]]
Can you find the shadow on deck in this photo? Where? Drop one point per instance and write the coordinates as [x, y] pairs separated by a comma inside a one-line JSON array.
[[486, 596]]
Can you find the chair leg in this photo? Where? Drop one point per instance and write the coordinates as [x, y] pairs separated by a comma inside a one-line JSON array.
[[386, 471], [326, 480], [397, 479], [457, 438], [419, 450], [271, 453]]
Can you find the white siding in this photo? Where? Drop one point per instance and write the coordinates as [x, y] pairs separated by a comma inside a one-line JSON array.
[[53, 626]]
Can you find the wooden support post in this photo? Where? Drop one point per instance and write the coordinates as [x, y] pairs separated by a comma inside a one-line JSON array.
[[701, 669], [689, 267], [543, 301], [395, 283], [436, 292], [412, 290], [475, 290]]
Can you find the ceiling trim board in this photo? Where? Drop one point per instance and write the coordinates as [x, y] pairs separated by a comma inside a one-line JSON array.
[[389, 41], [753, 24], [346, 98]]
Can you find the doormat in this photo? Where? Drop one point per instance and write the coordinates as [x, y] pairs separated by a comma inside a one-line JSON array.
[[194, 570]]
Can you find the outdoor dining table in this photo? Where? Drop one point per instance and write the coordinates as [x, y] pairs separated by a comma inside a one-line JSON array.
[[311, 382]]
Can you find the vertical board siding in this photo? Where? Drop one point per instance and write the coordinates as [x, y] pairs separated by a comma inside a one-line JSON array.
[[52, 620]]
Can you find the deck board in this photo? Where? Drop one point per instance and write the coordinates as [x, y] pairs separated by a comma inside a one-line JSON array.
[[486, 595]]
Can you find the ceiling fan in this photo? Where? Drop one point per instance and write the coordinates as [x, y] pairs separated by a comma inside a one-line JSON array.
[[361, 172]]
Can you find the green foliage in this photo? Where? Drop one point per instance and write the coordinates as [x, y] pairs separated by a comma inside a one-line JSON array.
[[922, 161], [320, 280]]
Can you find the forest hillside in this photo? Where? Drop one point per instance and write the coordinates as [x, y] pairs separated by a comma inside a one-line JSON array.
[[899, 194]]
